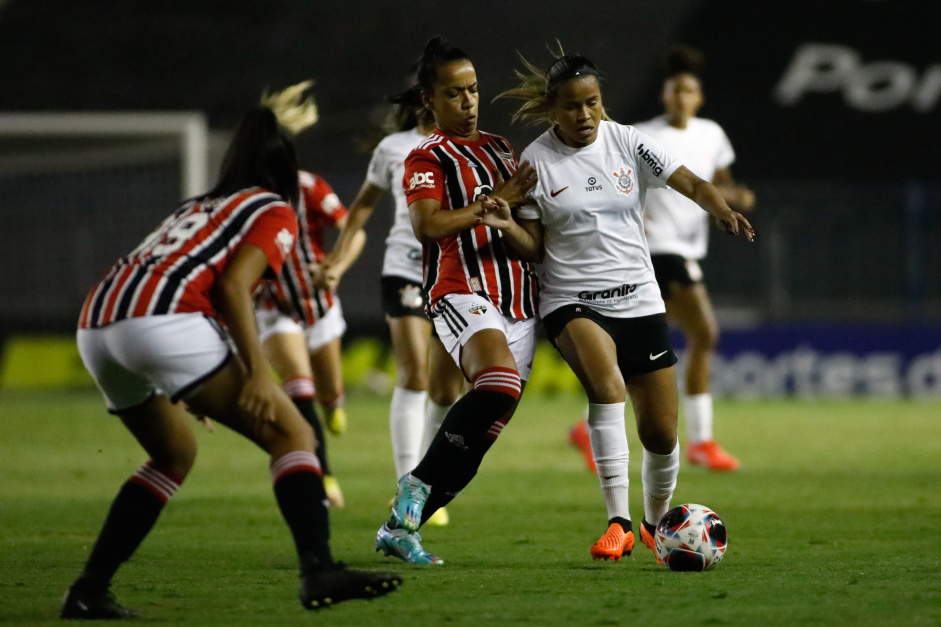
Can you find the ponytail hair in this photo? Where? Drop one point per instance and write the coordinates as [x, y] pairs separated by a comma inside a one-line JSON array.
[[538, 88], [683, 59], [260, 155], [295, 113], [438, 51]]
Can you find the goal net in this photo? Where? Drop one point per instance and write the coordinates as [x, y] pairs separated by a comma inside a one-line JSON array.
[[77, 191]]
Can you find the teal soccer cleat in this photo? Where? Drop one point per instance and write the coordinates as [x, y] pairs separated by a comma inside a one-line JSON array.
[[405, 545], [410, 501]]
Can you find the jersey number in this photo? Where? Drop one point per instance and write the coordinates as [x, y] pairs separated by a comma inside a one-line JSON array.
[[172, 234]]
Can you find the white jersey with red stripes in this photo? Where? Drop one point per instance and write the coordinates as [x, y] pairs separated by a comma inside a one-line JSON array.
[[293, 291], [475, 261], [174, 269]]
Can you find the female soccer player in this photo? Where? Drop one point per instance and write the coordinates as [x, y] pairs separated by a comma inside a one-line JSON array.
[[599, 300], [300, 325], [482, 295], [677, 234], [425, 371], [150, 334]]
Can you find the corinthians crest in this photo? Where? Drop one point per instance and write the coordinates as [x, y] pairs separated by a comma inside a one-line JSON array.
[[624, 181]]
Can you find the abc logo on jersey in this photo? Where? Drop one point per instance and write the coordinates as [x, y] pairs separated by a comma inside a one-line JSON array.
[[422, 180]]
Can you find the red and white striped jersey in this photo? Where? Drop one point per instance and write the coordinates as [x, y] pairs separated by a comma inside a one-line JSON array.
[[475, 261], [174, 269], [293, 292]]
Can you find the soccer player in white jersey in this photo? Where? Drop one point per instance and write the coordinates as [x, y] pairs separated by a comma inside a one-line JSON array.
[[151, 335], [427, 380], [599, 299], [677, 234]]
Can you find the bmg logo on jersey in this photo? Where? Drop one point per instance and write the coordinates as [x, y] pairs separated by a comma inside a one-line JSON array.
[[615, 293], [623, 181], [593, 185], [650, 159], [422, 180]]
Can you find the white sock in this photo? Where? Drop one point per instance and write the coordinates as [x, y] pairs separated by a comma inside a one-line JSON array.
[[434, 416], [610, 449], [658, 473], [698, 411], [406, 419]]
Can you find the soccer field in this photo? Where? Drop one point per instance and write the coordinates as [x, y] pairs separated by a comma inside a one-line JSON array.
[[834, 518]]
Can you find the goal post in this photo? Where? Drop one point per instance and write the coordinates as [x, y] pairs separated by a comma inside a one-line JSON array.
[[190, 128], [80, 189]]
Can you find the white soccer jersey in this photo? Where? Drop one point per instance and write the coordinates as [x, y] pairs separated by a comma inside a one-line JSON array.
[[386, 169], [674, 223], [591, 202]]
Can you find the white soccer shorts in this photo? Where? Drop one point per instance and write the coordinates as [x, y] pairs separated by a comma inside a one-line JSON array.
[[137, 358], [330, 327], [457, 317]]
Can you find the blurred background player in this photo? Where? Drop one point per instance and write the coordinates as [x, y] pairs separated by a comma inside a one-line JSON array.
[[149, 333], [301, 325], [677, 235], [482, 295], [427, 380], [599, 300]]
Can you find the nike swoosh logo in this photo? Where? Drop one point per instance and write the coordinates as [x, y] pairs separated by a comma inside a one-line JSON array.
[[554, 194], [657, 356]]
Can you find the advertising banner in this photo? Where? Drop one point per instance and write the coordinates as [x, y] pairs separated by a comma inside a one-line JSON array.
[[825, 361]]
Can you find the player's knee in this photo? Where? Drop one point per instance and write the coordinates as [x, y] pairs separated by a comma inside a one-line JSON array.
[[177, 461], [704, 339], [607, 389], [656, 438], [412, 379]]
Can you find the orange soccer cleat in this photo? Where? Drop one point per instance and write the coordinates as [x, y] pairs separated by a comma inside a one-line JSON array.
[[709, 454], [614, 544], [647, 533], [578, 436]]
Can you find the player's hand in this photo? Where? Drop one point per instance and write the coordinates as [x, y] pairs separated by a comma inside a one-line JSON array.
[[258, 399], [733, 222], [494, 212], [515, 189], [745, 200], [323, 276]]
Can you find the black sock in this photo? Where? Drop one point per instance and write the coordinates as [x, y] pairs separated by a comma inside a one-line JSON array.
[[306, 407], [459, 446], [301, 498], [132, 515], [625, 523]]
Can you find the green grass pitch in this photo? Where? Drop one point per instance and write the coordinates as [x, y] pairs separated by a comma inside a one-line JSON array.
[[834, 518]]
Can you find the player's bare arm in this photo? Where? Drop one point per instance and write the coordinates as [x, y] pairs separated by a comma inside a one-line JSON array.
[[232, 295], [705, 194], [739, 197], [327, 275], [524, 236]]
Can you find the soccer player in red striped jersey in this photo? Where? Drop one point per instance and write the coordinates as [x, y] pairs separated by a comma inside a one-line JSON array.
[[482, 295], [151, 335], [301, 324], [427, 380]]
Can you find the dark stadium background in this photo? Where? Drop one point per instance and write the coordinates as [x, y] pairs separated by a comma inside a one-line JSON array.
[[846, 168]]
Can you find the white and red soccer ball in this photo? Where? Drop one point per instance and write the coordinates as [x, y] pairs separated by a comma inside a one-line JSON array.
[[691, 537]]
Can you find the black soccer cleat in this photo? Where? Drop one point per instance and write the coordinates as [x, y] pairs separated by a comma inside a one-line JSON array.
[[83, 604], [327, 587]]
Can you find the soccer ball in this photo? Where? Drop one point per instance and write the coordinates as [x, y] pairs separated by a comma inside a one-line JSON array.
[[691, 538]]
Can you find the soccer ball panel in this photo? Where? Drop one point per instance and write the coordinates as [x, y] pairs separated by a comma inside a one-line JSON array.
[[691, 537]]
